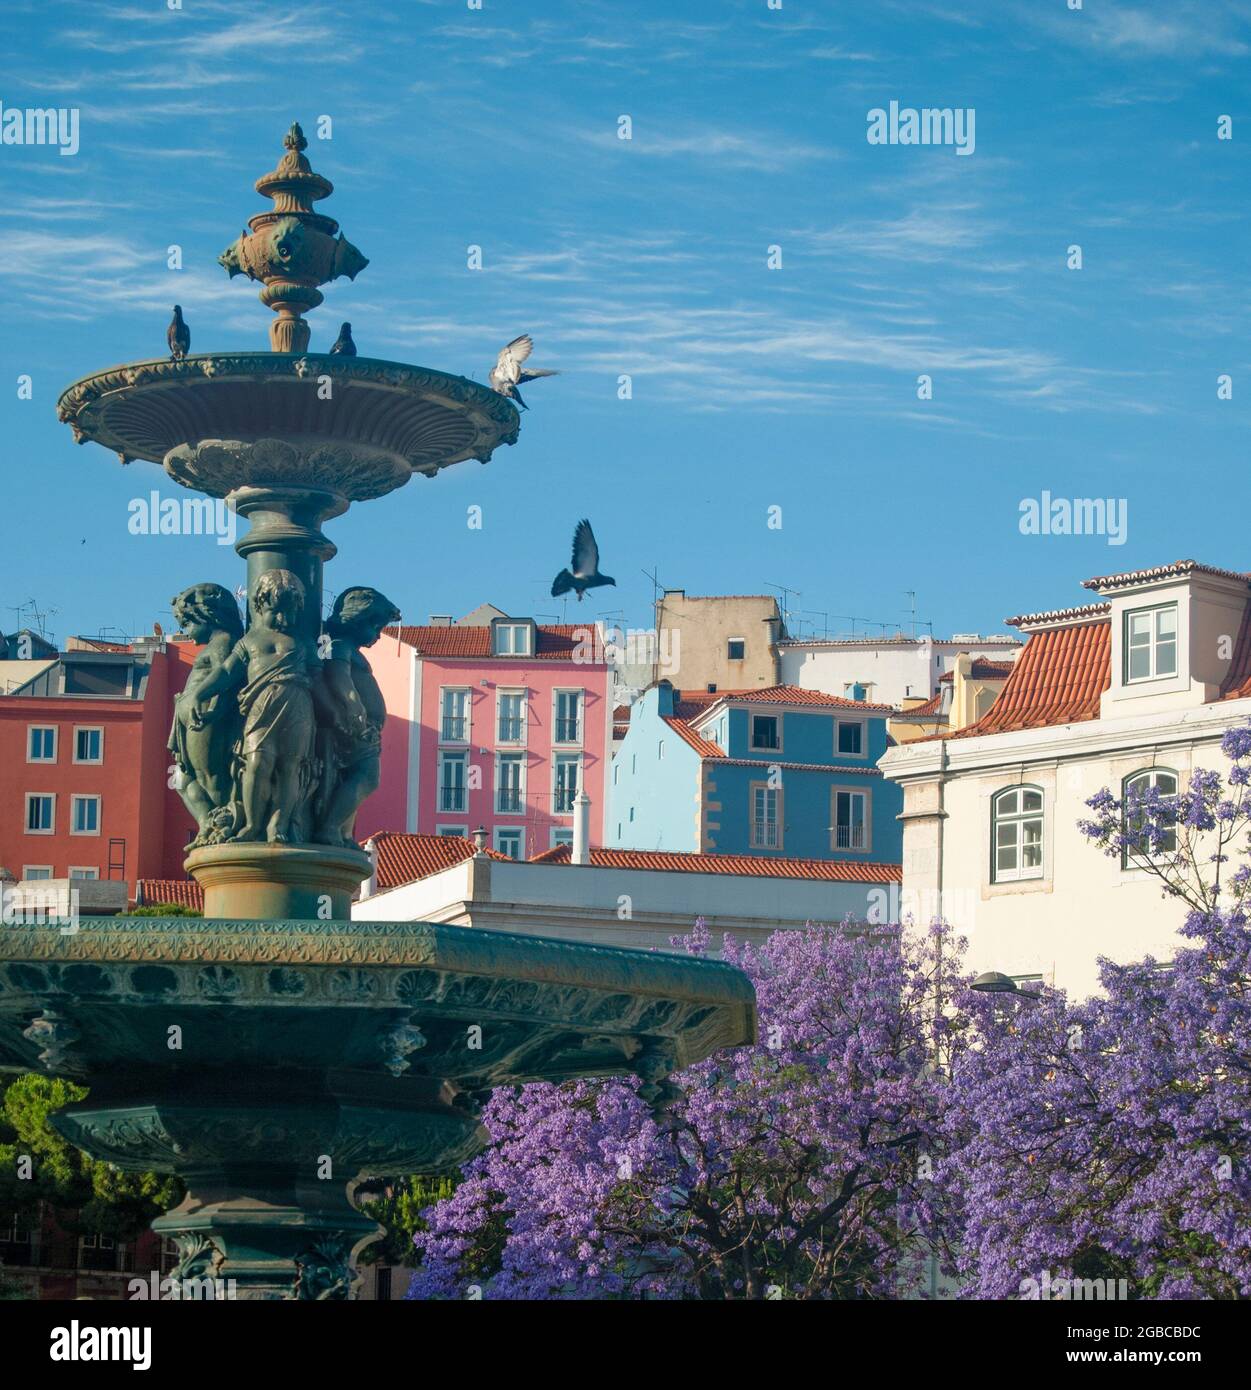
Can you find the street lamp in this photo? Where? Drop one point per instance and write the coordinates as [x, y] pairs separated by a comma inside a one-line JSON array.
[[993, 982]]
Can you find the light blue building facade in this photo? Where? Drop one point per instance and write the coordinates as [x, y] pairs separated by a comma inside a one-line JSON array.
[[778, 772]]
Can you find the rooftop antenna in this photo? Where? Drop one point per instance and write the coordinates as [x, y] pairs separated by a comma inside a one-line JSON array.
[[786, 598], [37, 615], [655, 622], [825, 619], [912, 594]]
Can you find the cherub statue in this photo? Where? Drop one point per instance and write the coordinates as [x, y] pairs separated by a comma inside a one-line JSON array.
[[269, 667], [351, 712], [204, 751]]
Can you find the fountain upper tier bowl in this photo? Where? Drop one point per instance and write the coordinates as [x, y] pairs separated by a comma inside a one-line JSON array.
[[358, 426]]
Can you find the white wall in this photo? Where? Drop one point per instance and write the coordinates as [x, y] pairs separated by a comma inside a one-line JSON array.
[[895, 669]]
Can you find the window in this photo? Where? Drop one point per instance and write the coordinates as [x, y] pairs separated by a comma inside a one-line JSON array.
[[511, 840], [568, 716], [84, 815], [454, 727], [565, 772], [735, 649], [88, 745], [40, 813], [509, 789], [562, 836], [764, 732], [452, 832], [41, 744], [616, 770], [766, 830], [512, 639], [660, 750], [1159, 779], [452, 795], [79, 871], [36, 873], [512, 717], [849, 739], [851, 822], [1151, 643], [1017, 834]]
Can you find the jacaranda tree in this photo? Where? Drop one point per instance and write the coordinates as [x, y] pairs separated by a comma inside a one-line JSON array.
[[1109, 1139], [796, 1168]]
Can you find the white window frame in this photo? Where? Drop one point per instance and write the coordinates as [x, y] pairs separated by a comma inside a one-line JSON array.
[[1140, 858], [520, 760], [84, 871], [32, 796], [863, 725], [88, 729], [752, 716], [1154, 641], [463, 759], [728, 642], [511, 830], [758, 830], [41, 872], [1020, 873], [518, 693], [557, 721], [510, 647], [564, 760], [866, 798], [56, 741], [561, 835], [75, 798], [449, 831], [444, 692]]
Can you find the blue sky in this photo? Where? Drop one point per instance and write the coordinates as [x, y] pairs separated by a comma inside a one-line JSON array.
[[753, 387]]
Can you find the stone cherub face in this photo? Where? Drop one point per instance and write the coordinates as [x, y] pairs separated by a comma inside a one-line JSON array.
[[204, 609], [360, 615]]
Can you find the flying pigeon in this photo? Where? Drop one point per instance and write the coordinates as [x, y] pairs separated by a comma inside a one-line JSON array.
[[584, 565], [343, 343], [508, 373], [178, 335]]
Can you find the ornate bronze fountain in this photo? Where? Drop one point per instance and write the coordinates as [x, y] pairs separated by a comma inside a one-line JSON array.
[[275, 1051]]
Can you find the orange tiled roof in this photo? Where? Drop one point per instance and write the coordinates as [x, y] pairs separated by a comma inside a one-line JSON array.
[[689, 703], [929, 708], [404, 858], [705, 747], [186, 892], [1128, 578], [798, 695], [554, 642], [1057, 679], [673, 861], [984, 669]]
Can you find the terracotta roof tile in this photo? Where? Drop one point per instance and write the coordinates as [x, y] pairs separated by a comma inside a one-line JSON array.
[[555, 642], [186, 892], [1057, 679], [1104, 582], [1051, 616], [672, 861], [404, 858], [705, 747], [799, 695]]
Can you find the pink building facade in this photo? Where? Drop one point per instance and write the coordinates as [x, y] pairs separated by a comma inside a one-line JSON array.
[[494, 724]]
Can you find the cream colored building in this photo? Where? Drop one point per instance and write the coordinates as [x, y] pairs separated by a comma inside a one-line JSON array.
[[1143, 682], [726, 641]]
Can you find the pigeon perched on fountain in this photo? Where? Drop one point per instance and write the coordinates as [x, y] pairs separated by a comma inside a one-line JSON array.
[[508, 372], [583, 572], [178, 335], [343, 344]]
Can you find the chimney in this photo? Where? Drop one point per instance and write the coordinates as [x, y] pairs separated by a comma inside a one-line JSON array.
[[369, 886], [441, 620], [581, 829]]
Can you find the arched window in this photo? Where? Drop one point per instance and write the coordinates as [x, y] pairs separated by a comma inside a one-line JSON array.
[[1016, 830], [1163, 780]]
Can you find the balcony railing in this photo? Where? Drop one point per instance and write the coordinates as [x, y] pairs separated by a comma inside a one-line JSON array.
[[764, 835], [455, 729], [508, 801], [510, 730], [568, 731], [452, 799], [849, 837]]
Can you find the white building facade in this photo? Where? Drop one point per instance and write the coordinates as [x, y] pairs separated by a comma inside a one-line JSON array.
[[1140, 684], [886, 670]]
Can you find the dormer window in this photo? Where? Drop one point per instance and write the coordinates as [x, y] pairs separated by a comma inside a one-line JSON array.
[[512, 639], [1150, 643]]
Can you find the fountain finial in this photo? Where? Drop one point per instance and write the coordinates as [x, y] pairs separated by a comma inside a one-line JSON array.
[[291, 249]]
